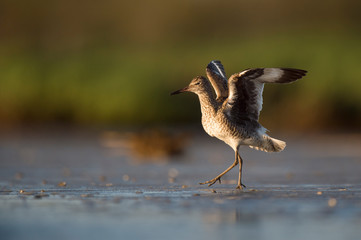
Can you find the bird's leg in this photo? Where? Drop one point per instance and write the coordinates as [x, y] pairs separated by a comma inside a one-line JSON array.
[[240, 160], [218, 178]]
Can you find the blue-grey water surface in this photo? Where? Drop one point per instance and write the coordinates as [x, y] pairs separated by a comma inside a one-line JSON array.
[[73, 186]]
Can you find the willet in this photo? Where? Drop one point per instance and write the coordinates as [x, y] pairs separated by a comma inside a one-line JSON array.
[[232, 113]]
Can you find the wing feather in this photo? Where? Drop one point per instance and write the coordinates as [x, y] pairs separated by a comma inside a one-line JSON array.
[[246, 88], [217, 77]]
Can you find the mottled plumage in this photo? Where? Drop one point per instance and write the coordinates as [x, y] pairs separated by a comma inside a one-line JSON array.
[[230, 109]]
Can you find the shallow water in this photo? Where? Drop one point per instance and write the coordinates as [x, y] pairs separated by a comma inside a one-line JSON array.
[[312, 190]]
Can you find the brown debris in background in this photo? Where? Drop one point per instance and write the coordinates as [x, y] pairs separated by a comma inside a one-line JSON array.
[[62, 184], [152, 143], [19, 175], [102, 178]]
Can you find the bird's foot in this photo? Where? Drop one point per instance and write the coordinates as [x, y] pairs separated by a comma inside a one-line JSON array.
[[211, 182], [241, 186]]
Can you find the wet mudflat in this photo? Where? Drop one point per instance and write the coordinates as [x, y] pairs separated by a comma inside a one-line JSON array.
[[67, 185]]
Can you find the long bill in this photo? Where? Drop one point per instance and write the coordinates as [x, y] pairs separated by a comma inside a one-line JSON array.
[[180, 91]]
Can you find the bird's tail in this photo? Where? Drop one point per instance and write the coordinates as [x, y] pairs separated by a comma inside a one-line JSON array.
[[270, 145]]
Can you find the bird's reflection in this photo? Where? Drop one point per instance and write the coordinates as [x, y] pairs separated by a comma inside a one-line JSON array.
[[231, 217]]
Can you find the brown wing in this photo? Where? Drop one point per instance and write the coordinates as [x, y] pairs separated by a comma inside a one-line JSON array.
[[217, 77], [246, 88]]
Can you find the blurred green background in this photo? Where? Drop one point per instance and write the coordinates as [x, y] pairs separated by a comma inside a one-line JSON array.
[[102, 63]]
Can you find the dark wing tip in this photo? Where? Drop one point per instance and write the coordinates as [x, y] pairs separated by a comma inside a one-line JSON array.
[[295, 71], [215, 61], [291, 74]]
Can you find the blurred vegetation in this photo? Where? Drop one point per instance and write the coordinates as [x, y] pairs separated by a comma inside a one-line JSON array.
[[115, 62]]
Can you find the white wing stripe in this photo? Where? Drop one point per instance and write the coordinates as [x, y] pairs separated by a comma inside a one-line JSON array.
[[219, 69], [243, 72], [271, 75]]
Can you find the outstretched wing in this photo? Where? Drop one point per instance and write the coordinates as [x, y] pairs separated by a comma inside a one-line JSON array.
[[245, 89], [217, 77]]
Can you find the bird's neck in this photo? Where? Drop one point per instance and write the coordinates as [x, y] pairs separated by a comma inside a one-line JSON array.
[[209, 104]]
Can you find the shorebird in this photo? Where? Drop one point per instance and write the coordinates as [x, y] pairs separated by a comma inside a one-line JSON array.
[[230, 109]]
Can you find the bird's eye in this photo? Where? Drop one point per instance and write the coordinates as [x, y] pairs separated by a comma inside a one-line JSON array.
[[197, 83]]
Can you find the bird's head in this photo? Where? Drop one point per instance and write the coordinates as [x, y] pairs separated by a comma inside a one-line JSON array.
[[198, 85]]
